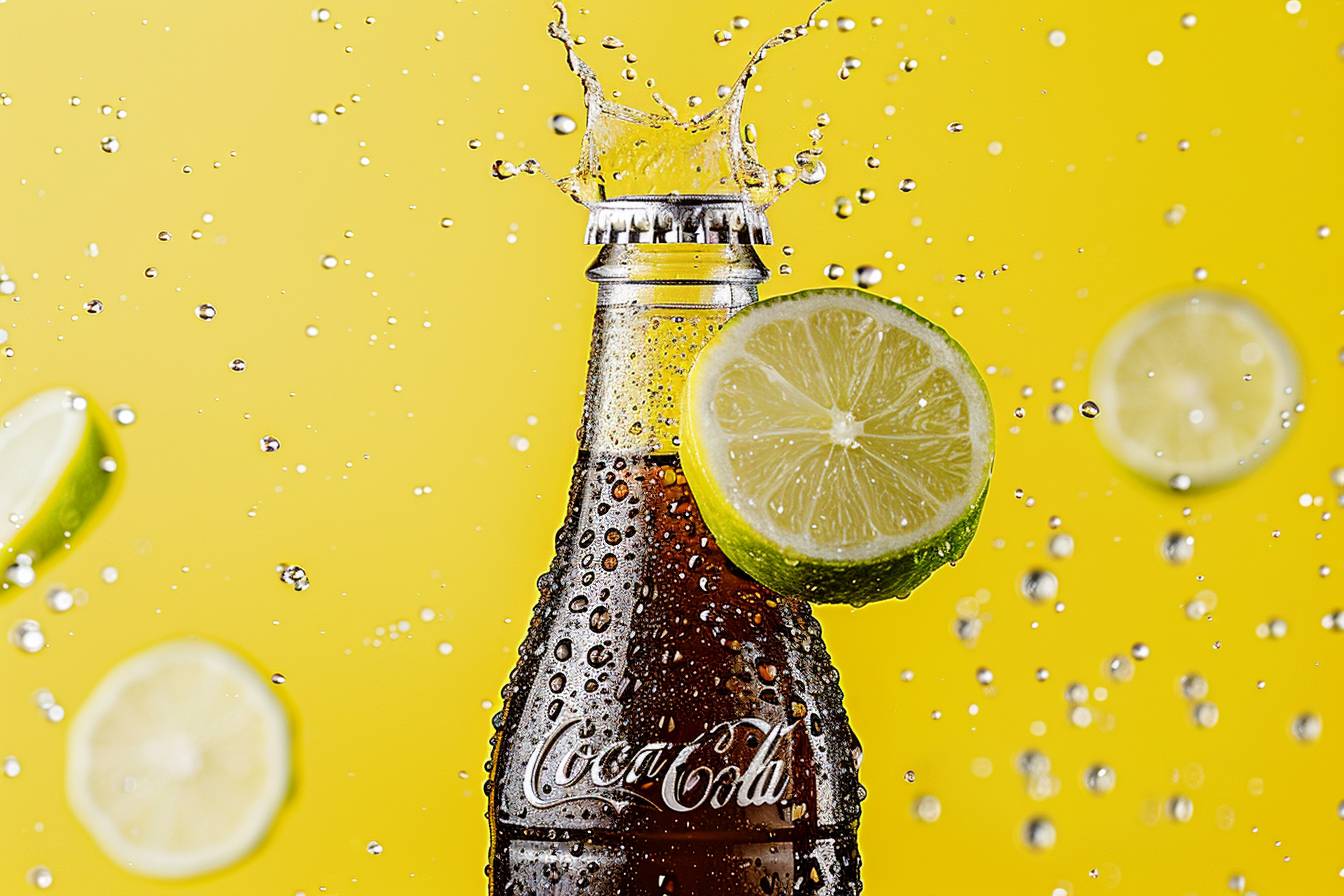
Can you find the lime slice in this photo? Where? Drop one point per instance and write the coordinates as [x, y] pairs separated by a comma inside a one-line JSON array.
[[179, 760], [57, 462], [1194, 388], [839, 445]]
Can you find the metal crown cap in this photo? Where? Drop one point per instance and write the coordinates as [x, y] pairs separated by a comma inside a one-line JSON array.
[[674, 218]]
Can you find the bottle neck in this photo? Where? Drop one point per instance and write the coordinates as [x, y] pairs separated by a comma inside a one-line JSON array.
[[658, 305]]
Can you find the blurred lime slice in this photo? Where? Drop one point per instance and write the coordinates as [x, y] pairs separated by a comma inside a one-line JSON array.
[[1194, 388], [838, 444], [58, 460], [179, 760]]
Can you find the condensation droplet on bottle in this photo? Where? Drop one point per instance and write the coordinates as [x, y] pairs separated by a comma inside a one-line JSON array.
[[1089, 409], [205, 311]]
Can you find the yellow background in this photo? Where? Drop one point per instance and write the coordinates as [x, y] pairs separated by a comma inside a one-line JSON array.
[[489, 341]]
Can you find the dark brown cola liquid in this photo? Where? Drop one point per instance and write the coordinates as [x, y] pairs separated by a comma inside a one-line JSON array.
[[671, 726]]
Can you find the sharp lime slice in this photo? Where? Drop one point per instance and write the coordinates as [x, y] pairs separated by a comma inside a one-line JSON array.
[[1194, 388], [839, 445], [179, 760], [57, 463]]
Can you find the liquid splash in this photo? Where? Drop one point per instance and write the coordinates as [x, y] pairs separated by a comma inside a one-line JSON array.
[[627, 151]]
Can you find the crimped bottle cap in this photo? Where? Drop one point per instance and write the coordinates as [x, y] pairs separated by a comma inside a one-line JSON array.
[[674, 218]]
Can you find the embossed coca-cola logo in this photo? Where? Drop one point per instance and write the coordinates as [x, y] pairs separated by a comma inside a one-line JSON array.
[[566, 766]]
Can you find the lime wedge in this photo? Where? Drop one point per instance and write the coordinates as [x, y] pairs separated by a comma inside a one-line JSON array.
[[1194, 388], [838, 444], [179, 760], [57, 463]]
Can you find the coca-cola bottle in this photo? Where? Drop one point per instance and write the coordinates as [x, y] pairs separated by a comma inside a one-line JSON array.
[[671, 726]]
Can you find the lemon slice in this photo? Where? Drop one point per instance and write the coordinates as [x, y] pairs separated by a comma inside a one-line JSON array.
[[57, 463], [838, 444], [179, 760], [1194, 388]]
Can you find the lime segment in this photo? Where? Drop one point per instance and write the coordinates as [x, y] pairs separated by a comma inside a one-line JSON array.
[[1194, 388], [839, 444], [57, 463]]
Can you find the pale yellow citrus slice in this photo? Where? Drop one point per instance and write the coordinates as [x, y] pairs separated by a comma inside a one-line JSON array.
[[1195, 388], [179, 760]]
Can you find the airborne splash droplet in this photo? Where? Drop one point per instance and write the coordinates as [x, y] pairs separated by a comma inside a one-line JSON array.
[[627, 151]]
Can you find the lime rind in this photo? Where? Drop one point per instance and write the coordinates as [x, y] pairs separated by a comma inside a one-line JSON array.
[[862, 576]]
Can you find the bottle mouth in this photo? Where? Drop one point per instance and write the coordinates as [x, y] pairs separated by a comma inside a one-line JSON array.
[[691, 218]]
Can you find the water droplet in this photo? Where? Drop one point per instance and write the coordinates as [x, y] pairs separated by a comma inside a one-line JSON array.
[[269, 444], [723, 38], [955, 127], [1089, 409], [1040, 585], [1189, 20], [109, 144], [374, 848], [1181, 808], [1181, 482], [1178, 547], [1039, 833], [1056, 38], [906, 185], [237, 365], [318, 117], [205, 311], [124, 414], [928, 808], [277, 678], [563, 124], [1060, 545], [27, 636], [1099, 779], [867, 276], [1307, 727], [1155, 57], [40, 877], [59, 600], [329, 261], [11, 768]]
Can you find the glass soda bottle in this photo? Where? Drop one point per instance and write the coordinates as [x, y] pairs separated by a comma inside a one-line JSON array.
[[671, 726]]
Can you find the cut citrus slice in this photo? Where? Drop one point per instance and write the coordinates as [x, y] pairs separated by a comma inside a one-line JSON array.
[[1194, 388], [179, 760], [839, 445], [57, 462]]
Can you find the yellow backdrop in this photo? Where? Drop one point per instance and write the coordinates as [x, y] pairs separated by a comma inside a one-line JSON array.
[[441, 353]]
